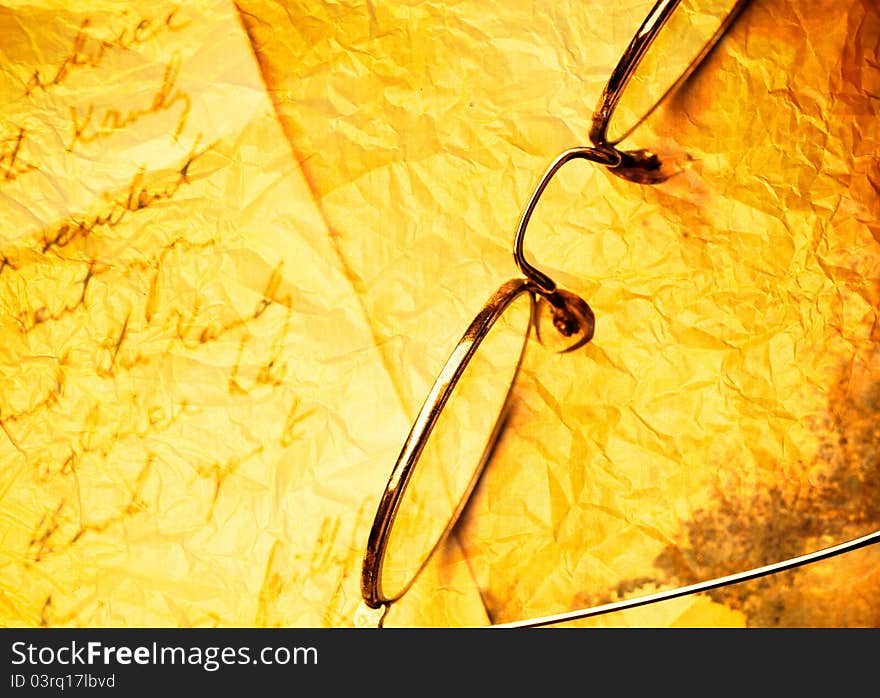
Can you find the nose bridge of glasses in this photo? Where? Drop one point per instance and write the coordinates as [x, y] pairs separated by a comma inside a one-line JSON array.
[[603, 156]]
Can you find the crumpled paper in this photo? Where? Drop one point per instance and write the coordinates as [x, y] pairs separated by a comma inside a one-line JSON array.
[[185, 365], [725, 414], [240, 241]]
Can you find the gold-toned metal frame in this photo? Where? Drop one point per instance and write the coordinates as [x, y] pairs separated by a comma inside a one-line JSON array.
[[632, 56], [643, 166], [566, 308], [444, 385], [640, 166]]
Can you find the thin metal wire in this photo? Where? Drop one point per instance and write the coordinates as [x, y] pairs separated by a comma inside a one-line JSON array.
[[603, 156], [727, 580]]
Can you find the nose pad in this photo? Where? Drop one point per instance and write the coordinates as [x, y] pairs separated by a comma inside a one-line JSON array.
[[563, 321], [646, 167]]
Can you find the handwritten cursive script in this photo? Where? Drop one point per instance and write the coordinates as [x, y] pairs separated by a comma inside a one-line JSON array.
[[114, 120], [138, 196], [89, 51], [12, 164]]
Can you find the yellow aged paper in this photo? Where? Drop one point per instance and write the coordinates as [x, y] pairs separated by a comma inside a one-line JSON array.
[[726, 413], [195, 422]]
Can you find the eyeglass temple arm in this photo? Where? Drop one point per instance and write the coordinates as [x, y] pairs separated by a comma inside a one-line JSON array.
[[754, 573], [603, 156]]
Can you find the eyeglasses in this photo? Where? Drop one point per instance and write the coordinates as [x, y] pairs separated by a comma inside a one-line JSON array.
[[466, 409]]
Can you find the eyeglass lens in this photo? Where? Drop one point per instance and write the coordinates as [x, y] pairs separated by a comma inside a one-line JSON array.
[[674, 51], [455, 448]]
